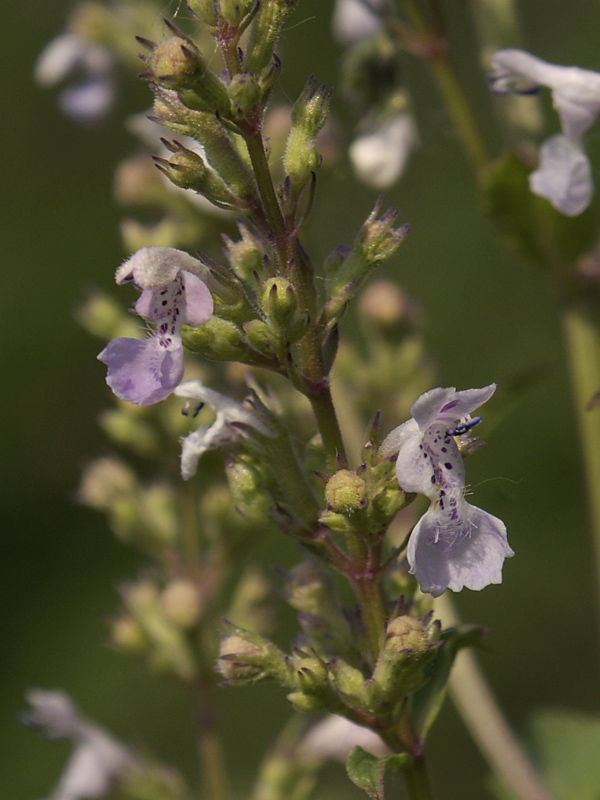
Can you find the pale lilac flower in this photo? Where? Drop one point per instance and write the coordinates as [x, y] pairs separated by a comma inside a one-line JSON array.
[[353, 21], [380, 155], [144, 371], [97, 761], [333, 738], [454, 544], [90, 64], [229, 414], [564, 174]]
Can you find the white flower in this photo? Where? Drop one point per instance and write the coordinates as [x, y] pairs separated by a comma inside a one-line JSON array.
[[352, 20], [97, 760], [379, 156], [333, 738], [229, 413], [70, 55], [564, 173], [454, 544]]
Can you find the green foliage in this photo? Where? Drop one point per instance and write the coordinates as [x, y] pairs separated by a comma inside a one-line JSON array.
[[367, 771]]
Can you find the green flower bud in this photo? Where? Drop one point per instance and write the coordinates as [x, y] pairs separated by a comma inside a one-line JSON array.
[[248, 490], [181, 603], [176, 63], [128, 635], [246, 657], [407, 634], [246, 256], [301, 157], [188, 170], [265, 30], [346, 492], [234, 11], [305, 703], [217, 339], [407, 649], [259, 335], [219, 149], [349, 683], [204, 10], [244, 93], [168, 649]]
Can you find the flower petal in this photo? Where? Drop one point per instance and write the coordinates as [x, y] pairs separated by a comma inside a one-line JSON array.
[[379, 156], [564, 176], [352, 21], [414, 469], [140, 370], [199, 304], [471, 557]]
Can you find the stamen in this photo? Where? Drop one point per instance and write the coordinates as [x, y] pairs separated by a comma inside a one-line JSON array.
[[463, 427]]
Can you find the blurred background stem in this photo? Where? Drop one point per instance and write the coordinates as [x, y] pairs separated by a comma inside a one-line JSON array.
[[581, 322], [486, 723]]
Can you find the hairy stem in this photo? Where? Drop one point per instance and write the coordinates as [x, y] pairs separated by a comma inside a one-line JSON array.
[[417, 780]]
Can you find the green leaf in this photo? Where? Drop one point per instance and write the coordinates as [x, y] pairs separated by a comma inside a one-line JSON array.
[[426, 703], [529, 224], [366, 771]]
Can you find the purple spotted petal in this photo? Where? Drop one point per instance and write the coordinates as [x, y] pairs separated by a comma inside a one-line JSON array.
[[468, 554], [140, 370]]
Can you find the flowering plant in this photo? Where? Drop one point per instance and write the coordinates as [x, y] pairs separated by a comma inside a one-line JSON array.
[[249, 413]]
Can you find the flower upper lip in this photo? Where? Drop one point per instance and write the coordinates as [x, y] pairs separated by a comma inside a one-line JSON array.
[[564, 174]]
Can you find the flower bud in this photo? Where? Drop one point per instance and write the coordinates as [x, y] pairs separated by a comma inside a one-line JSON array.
[[407, 649], [219, 148], [244, 94], [127, 635], [181, 603], [234, 11], [301, 157], [349, 683], [204, 10], [386, 308], [216, 339], [346, 492], [246, 657], [176, 63], [265, 30]]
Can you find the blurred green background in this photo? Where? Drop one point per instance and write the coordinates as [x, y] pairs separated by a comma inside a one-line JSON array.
[[489, 318]]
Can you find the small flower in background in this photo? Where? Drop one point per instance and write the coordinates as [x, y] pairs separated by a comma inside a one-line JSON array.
[[564, 175], [96, 763], [333, 738], [454, 544], [353, 21], [90, 64], [229, 414], [145, 371], [380, 155]]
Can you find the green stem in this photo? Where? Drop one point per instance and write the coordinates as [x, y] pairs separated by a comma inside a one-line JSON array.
[[416, 779], [266, 190], [367, 588], [433, 50], [581, 323]]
